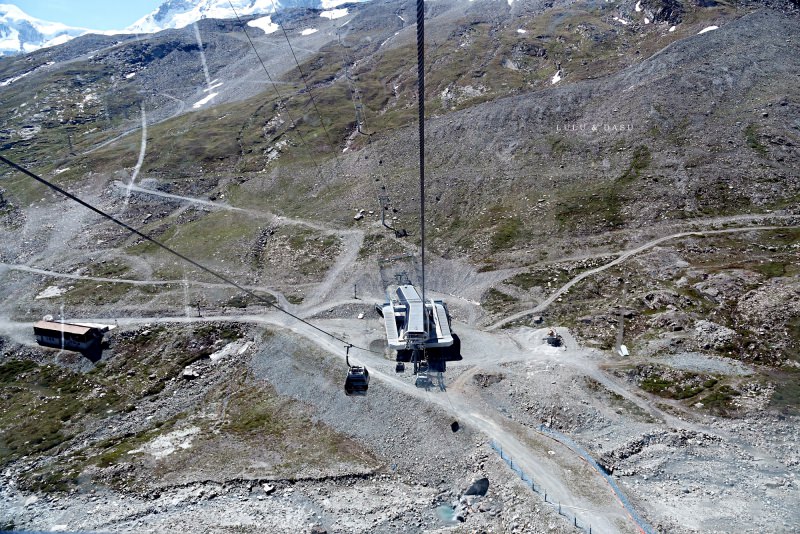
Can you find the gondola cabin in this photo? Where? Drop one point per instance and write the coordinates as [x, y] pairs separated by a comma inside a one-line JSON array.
[[357, 381]]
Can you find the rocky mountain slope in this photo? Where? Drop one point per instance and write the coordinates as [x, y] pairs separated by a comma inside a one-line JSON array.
[[625, 172]]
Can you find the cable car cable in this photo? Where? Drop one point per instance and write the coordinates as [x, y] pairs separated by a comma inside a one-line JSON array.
[[355, 94], [281, 100], [305, 83], [185, 258], [421, 109]]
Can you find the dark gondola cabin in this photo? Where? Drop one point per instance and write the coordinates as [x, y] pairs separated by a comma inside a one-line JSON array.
[[357, 381]]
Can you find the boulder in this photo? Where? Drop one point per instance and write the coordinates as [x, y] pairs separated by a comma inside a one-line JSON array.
[[479, 487]]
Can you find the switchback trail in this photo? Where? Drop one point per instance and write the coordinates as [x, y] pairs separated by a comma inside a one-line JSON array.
[[621, 258]]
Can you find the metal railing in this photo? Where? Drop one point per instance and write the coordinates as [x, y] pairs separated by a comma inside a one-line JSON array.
[[529, 481], [580, 451], [563, 509]]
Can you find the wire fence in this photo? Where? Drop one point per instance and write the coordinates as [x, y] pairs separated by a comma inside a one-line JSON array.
[[563, 509], [577, 449], [538, 488]]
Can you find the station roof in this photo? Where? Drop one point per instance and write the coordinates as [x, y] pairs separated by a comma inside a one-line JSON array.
[[62, 327]]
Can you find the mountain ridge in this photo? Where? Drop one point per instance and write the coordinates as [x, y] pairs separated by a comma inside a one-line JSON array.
[[21, 33]]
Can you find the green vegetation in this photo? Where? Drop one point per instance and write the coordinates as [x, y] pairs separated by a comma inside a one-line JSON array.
[[669, 388], [11, 370], [592, 206], [317, 250], [506, 233], [109, 269], [774, 269], [640, 161], [264, 421], [223, 331], [495, 301], [751, 135], [257, 414], [215, 234], [96, 293], [719, 401], [786, 397], [555, 274], [675, 384], [44, 404], [528, 280], [599, 204], [295, 299]]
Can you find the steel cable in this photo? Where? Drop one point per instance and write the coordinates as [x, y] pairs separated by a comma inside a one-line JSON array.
[[176, 253]]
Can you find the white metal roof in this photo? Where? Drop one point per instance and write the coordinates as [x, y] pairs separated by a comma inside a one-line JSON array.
[[62, 327], [415, 314]]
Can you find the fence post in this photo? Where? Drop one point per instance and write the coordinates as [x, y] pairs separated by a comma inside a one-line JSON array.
[[575, 522], [545, 496], [559, 507]]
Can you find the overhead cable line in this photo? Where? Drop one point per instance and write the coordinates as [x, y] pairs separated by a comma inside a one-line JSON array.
[[278, 92], [355, 93], [174, 252], [305, 83], [421, 107]]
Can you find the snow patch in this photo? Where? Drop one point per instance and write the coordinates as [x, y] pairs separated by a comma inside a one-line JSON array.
[[556, 78], [131, 75], [646, 20], [203, 102], [61, 39], [672, 28], [708, 29], [334, 13], [175, 14], [163, 446], [59, 171], [213, 86], [308, 31], [265, 24], [15, 78], [51, 292], [622, 21], [522, 31], [638, 7], [29, 132], [237, 347]]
